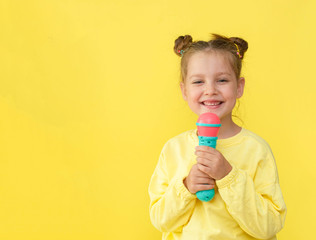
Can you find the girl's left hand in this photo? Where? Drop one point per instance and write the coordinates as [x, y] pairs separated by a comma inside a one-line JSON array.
[[212, 162]]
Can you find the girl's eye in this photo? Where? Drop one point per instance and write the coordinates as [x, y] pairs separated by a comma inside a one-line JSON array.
[[222, 80], [197, 81]]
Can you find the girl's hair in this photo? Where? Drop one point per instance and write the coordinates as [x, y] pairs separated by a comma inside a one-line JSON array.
[[234, 47]]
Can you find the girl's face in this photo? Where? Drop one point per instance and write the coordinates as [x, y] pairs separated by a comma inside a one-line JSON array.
[[211, 85]]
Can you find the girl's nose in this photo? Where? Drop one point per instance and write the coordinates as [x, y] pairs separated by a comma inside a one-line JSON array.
[[210, 89]]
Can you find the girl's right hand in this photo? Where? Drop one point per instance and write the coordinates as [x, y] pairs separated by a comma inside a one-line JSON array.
[[198, 181]]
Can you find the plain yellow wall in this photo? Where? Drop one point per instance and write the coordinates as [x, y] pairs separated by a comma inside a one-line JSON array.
[[89, 94]]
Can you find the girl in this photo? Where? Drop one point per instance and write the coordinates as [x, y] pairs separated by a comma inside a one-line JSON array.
[[248, 202]]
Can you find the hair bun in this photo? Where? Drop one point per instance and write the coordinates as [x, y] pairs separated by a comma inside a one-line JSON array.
[[242, 44], [181, 44]]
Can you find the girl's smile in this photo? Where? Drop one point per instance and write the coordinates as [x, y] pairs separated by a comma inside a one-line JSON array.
[[211, 104]]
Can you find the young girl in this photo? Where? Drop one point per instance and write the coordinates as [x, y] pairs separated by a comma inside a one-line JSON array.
[[248, 203]]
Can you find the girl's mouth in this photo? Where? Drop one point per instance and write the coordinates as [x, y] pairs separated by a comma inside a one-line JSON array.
[[212, 104]]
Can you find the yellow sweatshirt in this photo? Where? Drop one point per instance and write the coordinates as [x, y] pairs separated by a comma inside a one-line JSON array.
[[248, 202]]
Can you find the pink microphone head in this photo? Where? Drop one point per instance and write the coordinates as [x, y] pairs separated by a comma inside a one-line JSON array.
[[208, 124]]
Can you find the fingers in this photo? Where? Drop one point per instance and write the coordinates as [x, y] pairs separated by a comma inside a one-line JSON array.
[[198, 180], [195, 187], [198, 188], [205, 166], [205, 149], [206, 155], [203, 161], [207, 170], [201, 178], [206, 152], [205, 181], [201, 171], [209, 160]]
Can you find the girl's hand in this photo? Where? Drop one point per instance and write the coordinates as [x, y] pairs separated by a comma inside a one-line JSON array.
[[212, 162], [198, 181]]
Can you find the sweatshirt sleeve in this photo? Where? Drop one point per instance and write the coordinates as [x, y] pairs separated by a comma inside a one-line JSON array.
[[171, 204], [255, 203]]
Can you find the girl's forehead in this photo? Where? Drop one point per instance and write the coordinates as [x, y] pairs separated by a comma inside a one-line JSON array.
[[211, 61]]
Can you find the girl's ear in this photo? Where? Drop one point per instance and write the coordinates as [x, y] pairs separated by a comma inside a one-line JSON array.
[[240, 87], [183, 91]]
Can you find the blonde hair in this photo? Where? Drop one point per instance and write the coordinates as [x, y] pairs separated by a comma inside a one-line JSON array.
[[234, 47]]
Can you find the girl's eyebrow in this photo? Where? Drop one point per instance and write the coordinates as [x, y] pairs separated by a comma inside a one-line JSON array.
[[216, 74], [196, 75]]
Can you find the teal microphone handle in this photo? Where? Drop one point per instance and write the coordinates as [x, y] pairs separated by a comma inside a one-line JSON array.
[[207, 195]]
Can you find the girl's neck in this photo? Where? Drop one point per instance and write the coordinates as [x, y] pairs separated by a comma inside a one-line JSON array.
[[228, 128]]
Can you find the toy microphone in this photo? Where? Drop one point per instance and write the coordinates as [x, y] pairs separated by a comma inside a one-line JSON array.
[[208, 126]]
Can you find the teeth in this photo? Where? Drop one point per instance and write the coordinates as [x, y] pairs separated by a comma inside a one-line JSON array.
[[211, 104]]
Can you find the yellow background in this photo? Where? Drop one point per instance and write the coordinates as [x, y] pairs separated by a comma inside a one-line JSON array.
[[89, 94]]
